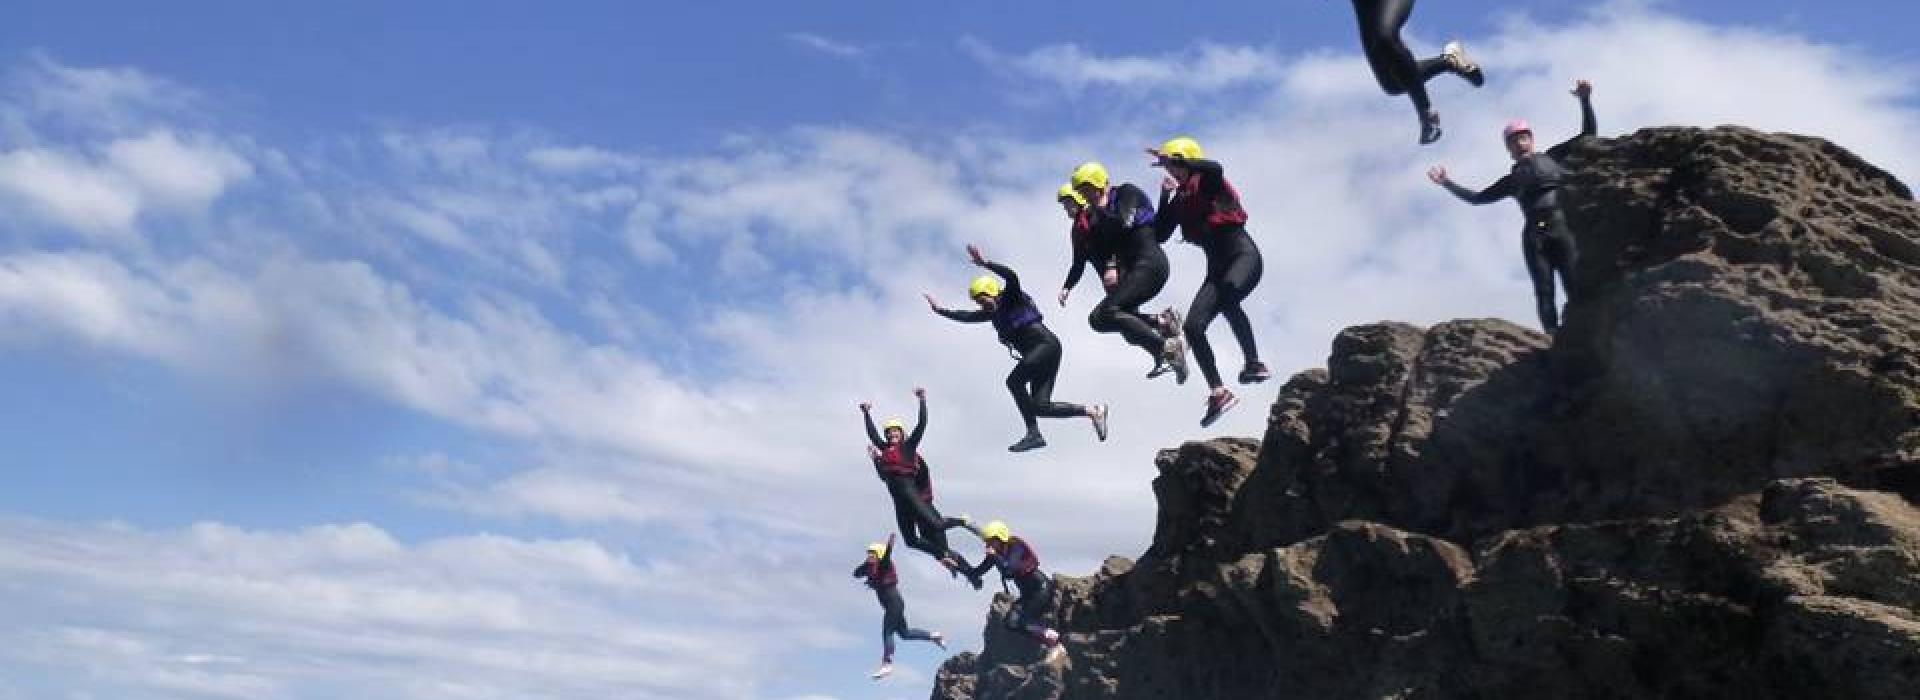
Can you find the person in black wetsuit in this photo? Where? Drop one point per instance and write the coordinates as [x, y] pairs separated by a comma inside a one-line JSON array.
[[1018, 322], [1546, 242], [1018, 562], [885, 581], [897, 461], [1196, 198], [1113, 233], [1394, 66]]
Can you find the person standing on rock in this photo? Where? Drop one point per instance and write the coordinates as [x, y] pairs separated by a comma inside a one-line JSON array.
[[1113, 232], [1018, 322], [880, 575], [1394, 66], [1547, 242], [1196, 198], [1018, 561], [897, 461]]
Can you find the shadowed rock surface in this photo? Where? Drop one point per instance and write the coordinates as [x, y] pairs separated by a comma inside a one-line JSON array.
[[1703, 487]]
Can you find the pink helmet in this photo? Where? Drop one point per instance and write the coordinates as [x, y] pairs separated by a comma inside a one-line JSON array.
[[1516, 126]]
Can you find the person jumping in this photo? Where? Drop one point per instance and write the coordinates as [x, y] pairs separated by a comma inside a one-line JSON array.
[[880, 575]]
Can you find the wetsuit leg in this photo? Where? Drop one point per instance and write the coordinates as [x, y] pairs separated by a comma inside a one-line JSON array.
[[1393, 64], [1045, 361], [1231, 276], [1120, 310], [1563, 254], [921, 527], [893, 620], [1534, 244]]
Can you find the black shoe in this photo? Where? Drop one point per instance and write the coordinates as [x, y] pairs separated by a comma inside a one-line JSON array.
[[1255, 373], [1032, 441], [977, 585], [1217, 406], [1429, 128]]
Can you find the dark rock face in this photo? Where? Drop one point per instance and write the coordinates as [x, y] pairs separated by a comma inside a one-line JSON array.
[[1702, 488]]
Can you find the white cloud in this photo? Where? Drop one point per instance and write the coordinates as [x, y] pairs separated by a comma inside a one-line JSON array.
[[177, 174], [346, 611], [725, 423], [70, 191]]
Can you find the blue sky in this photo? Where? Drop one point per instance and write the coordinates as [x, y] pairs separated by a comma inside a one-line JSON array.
[[468, 350]]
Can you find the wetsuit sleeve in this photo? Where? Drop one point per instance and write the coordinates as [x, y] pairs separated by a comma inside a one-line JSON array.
[[872, 434], [1163, 225], [919, 427], [1500, 190], [974, 316], [860, 571], [1080, 261], [986, 563], [1012, 290]]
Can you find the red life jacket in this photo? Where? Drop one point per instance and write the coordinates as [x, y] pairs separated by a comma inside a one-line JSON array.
[[1199, 216], [896, 460], [1019, 558], [881, 574]]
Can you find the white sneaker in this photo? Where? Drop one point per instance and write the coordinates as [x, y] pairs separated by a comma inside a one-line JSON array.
[[1098, 413], [885, 670], [939, 640], [1456, 56]]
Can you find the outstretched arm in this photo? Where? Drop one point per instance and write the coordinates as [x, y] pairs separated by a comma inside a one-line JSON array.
[[986, 562], [974, 316], [1501, 189]]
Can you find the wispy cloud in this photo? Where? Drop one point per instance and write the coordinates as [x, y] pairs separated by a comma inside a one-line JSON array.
[[825, 45], [1208, 67]]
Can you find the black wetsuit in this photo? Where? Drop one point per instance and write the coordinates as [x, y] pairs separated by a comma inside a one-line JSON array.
[[1022, 564], [1121, 234], [1207, 211], [1546, 241], [884, 581], [904, 472], [1019, 324], [1393, 64]]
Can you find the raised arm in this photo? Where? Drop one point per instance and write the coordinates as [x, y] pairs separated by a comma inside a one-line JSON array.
[[866, 414], [1012, 289], [920, 425], [974, 316]]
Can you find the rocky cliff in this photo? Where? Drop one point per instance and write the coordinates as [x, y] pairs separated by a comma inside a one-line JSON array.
[[1703, 487]]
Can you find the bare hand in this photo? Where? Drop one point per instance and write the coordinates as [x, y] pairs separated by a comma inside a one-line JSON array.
[[1582, 89], [873, 452], [973, 252], [920, 392], [866, 407], [1063, 296], [930, 302], [1168, 184], [1438, 174], [1110, 278]]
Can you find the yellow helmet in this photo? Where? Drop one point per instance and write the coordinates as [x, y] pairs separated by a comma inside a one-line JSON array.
[[1067, 192], [1090, 173], [996, 530], [878, 549], [892, 424], [984, 284], [1181, 147]]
